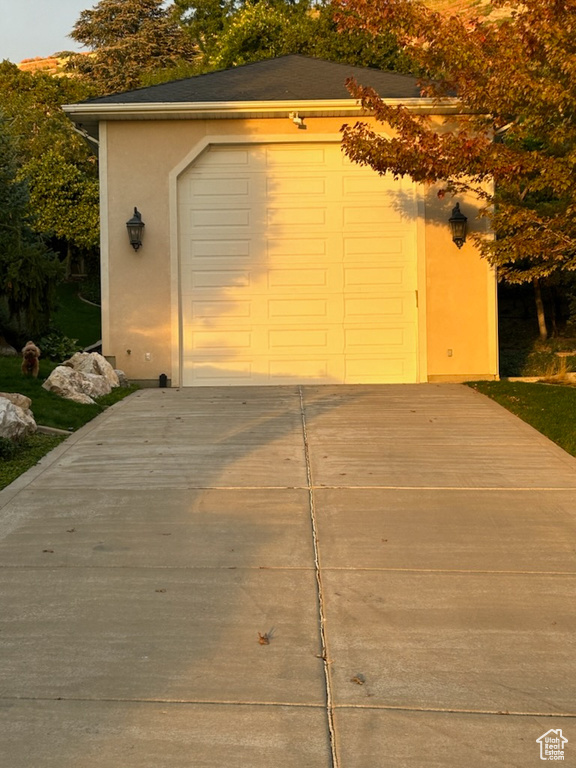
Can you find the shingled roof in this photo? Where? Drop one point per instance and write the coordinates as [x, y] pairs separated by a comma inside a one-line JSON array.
[[289, 77]]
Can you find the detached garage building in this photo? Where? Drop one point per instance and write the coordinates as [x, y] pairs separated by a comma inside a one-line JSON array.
[[267, 256]]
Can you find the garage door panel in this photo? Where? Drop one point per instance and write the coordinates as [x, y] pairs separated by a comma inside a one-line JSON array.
[[388, 244], [289, 156], [295, 248], [225, 188], [220, 308], [219, 340], [293, 340], [298, 369], [216, 248], [299, 278], [300, 215], [369, 184], [218, 280], [295, 267], [378, 337], [297, 309], [214, 280], [376, 278], [376, 307], [295, 187], [221, 218], [226, 156], [214, 373], [367, 215]]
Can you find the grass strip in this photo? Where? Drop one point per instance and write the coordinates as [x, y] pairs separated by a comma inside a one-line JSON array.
[[549, 408], [27, 453]]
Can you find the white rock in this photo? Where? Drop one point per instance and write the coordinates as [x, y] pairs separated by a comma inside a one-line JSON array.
[[20, 400], [7, 350], [92, 362], [69, 384], [96, 385], [121, 378], [15, 423]]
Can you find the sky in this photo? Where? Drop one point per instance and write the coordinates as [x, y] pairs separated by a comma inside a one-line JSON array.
[[30, 28]]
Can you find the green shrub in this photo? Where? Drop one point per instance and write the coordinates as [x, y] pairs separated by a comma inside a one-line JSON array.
[[58, 347], [7, 449]]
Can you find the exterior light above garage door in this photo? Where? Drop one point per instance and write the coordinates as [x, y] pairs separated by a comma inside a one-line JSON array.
[[458, 225], [135, 229], [296, 119]]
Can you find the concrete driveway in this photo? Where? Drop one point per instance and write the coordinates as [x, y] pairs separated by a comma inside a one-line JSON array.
[[315, 577]]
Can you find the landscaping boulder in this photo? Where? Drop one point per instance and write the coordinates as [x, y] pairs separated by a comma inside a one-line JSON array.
[[76, 386], [123, 381], [20, 400], [15, 422], [84, 376], [95, 364], [7, 350]]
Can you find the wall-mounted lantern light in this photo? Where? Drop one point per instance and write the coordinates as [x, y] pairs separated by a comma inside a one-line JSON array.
[[135, 229], [458, 225]]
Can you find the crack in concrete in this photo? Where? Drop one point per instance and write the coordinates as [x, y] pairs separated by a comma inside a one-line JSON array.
[[322, 615]]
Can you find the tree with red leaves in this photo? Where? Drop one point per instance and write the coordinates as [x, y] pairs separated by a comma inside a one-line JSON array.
[[514, 143]]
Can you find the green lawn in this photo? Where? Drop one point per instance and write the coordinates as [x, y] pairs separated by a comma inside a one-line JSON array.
[[75, 318], [49, 410], [551, 409], [27, 454]]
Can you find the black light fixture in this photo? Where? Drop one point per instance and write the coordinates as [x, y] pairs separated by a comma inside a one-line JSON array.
[[458, 225], [135, 229]]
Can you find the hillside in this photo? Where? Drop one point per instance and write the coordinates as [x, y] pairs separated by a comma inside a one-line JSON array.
[[50, 65]]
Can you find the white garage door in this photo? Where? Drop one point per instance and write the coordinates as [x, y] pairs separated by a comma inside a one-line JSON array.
[[297, 266]]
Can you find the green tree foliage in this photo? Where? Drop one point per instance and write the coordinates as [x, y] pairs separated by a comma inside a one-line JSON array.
[[127, 39], [29, 272], [354, 46], [516, 80], [58, 165], [262, 30], [233, 33], [204, 20], [32, 104], [65, 201]]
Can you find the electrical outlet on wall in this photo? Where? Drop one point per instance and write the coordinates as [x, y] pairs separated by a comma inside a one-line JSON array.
[[147, 356]]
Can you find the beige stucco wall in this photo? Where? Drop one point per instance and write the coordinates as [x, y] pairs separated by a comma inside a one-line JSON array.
[[140, 161], [461, 316]]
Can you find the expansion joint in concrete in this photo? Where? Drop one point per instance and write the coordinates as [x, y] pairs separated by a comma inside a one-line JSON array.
[[454, 710], [321, 608]]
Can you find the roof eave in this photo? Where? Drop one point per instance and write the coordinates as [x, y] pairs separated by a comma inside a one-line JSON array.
[[88, 115]]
